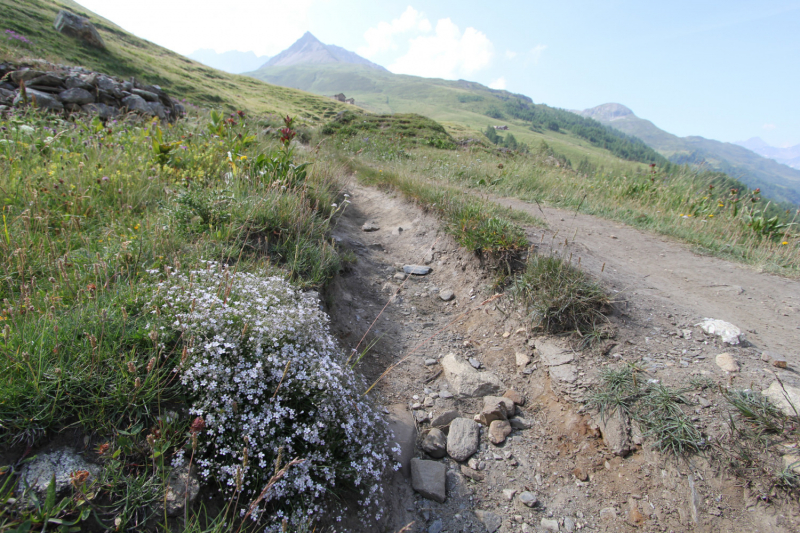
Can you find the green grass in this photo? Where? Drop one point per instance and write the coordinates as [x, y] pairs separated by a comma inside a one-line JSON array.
[[87, 210], [126, 56]]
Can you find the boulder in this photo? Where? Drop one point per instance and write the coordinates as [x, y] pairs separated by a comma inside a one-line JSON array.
[[147, 95], [103, 110], [157, 110], [6, 96], [76, 96], [78, 27], [39, 99], [76, 82], [429, 479], [435, 443], [46, 80], [25, 75], [464, 439], [138, 104], [466, 381]]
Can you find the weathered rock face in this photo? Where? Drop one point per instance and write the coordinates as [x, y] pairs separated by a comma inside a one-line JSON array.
[[75, 89], [182, 489], [59, 464], [79, 28]]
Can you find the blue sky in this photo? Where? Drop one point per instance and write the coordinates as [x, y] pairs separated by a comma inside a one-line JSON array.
[[726, 70]]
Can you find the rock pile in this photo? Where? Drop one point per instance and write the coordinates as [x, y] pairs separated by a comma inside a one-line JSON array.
[[73, 89]]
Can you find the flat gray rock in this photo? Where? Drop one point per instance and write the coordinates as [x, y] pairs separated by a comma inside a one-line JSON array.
[[370, 226], [446, 295], [443, 420], [401, 422], [76, 96], [60, 463], [417, 270], [565, 373], [463, 439], [429, 479], [466, 381], [553, 355]]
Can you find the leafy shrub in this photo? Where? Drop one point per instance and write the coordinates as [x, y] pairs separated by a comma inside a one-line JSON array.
[[267, 379]]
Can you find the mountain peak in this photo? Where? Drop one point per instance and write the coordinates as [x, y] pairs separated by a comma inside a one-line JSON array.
[[310, 50]]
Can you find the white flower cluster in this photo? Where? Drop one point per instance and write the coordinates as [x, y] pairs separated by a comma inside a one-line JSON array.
[[268, 380]]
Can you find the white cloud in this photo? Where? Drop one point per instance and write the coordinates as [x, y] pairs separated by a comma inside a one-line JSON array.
[[499, 83], [381, 38], [263, 26], [536, 52], [447, 53], [510, 54], [768, 126]]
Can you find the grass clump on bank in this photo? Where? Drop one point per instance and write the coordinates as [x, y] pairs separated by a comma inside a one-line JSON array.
[[103, 223], [656, 408], [560, 298]]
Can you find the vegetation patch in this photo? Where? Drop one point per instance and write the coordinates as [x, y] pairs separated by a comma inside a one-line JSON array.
[[406, 130]]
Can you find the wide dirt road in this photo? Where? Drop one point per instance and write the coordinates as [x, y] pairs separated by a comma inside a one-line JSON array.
[[765, 307]]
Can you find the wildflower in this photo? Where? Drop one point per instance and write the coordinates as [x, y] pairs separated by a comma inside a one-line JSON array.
[[103, 448], [78, 478], [784, 243]]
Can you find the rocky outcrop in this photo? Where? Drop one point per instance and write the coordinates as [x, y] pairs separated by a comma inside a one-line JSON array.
[[66, 89], [78, 27]]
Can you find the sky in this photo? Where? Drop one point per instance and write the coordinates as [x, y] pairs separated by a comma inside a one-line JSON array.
[[725, 70]]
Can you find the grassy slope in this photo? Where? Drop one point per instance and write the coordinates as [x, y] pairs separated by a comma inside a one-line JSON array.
[[777, 180], [127, 55], [385, 92]]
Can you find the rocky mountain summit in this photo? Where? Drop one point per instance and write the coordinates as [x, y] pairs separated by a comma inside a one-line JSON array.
[[73, 89], [310, 50]]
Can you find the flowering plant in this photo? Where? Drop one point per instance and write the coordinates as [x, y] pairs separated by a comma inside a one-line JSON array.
[[270, 385]]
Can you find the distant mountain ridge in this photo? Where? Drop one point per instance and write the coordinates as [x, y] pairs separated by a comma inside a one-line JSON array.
[[787, 156], [776, 180], [233, 61], [310, 50]]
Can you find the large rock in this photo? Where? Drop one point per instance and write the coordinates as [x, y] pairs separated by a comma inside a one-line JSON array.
[[78, 27], [786, 398], [60, 463], [435, 443], [76, 96], [429, 478], [463, 439], [39, 99], [102, 110], [442, 421], [402, 425], [138, 104], [466, 381]]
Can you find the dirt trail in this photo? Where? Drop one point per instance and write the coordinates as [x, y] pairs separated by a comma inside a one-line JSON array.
[[765, 307], [556, 450]]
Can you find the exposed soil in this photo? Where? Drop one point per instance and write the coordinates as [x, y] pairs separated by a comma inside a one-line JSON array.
[[662, 289]]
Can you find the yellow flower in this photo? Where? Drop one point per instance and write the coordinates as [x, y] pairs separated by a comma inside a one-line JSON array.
[[136, 227], [711, 215], [784, 243]]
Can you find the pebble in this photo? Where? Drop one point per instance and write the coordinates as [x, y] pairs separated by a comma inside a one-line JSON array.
[[428, 402], [519, 423], [569, 524], [436, 527], [515, 397], [474, 362], [548, 524], [430, 362], [779, 363], [416, 405], [509, 494], [474, 464], [727, 363], [498, 431], [435, 443], [608, 514], [522, 359], [446, 295], [400, 276], [444, 394], [490, 520], [472, 473], [528, 499]]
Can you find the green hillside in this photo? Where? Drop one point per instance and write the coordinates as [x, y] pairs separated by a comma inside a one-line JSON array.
[[126, 55], [776, 180], [462, 105]]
